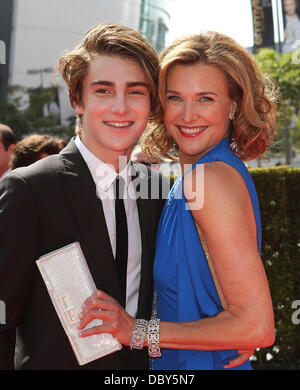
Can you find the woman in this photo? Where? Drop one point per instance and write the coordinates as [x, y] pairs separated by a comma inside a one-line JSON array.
[[212, 301]]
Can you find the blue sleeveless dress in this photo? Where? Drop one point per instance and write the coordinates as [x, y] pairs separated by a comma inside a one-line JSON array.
[[182, 279]]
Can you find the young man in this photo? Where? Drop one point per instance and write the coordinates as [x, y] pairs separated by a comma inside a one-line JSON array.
[[7, 143], [112, 79]]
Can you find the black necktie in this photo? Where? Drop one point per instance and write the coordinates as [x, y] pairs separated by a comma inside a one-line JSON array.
[[121, 236]]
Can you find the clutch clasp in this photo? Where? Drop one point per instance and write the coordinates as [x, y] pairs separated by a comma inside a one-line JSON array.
[[68, 308]]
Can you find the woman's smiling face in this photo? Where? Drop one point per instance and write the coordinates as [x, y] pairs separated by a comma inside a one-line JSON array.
[[197, 108]]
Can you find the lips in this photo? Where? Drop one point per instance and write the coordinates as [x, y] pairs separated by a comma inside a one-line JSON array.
[[119, 125], [191, 131]]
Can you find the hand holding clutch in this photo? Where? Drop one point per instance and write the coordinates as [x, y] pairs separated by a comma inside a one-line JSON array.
[[116, 320], [69, 283]]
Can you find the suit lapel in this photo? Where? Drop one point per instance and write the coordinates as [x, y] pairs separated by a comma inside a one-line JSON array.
[[87, 209]]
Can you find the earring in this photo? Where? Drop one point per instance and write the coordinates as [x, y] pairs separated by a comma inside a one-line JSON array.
[[174, 144], [233, 144], [233, 113], [232, 119]]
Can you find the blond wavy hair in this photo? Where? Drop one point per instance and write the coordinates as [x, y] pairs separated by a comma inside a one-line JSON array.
[[114, 40], [255, 95]]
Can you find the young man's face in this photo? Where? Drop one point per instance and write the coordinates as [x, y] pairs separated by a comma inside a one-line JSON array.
[[4, 157], [290, 6], [115, 106]]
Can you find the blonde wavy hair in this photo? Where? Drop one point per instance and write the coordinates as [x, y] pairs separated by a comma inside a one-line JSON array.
[[255, 95], [114, 40]]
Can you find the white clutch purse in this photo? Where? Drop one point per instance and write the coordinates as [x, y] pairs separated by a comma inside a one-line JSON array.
[[69, 283]]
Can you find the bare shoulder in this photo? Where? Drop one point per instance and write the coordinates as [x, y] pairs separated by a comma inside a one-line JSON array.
[[216, 182]]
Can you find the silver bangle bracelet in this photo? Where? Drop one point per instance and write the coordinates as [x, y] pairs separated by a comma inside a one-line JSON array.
[[138, 335], [153, 338]]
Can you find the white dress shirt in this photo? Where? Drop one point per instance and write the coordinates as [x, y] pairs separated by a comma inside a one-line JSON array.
[[104, 175]]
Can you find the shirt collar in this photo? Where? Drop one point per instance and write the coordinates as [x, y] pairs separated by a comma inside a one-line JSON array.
[[103, 174]]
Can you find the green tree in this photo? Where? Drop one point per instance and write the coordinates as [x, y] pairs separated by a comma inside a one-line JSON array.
[[284, 69], [25, 111]]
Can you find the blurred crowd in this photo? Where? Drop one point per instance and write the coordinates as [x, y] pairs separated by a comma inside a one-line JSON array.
[[30, 149]]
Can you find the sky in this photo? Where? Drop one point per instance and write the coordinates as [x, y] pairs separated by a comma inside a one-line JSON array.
[[230, 17]]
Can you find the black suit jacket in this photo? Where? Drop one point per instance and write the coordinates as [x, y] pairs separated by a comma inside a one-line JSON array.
[[44, 207]]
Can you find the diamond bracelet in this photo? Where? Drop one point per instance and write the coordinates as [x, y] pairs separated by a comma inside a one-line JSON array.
[[138, 334], [153, 338]]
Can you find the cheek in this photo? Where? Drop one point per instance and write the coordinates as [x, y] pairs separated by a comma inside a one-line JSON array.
[[168, 122], [171, 128], [171, 113], [222, 126], [145, 113], [95, 111], [220, 115], [142, 111]]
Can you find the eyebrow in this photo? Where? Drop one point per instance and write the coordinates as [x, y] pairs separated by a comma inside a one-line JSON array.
[[198, 93], [129, 84]]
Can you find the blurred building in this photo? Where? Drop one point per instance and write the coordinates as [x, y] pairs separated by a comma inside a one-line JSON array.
[[36, 32], [154, 20]]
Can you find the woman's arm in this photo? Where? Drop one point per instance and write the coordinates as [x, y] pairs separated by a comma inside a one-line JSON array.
[[120, 324], [228, 224]]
